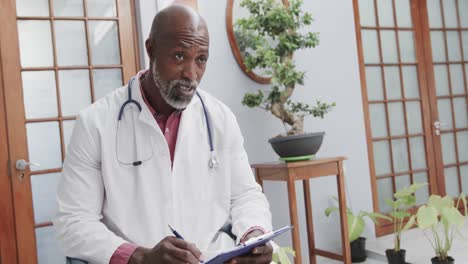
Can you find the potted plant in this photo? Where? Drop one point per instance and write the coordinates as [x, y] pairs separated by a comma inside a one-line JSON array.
[[356, 226], [269, 36], [441, 217], [402, 202]]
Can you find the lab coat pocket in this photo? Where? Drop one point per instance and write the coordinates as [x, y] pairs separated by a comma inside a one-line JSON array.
[[220, 180]]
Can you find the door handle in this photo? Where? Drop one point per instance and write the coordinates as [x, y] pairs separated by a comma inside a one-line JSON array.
[[22, 164], [438, 125]]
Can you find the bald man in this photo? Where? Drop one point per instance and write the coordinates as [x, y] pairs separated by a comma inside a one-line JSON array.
[[160, 151]]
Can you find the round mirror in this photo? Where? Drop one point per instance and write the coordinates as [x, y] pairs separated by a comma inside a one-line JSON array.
[[234, 12]]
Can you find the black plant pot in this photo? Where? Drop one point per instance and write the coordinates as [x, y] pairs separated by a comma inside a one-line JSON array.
[[395, 257], [297, 145], [358, 250], [436, 260]]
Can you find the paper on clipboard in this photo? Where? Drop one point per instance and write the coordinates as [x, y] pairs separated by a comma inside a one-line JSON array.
[[246, 247]]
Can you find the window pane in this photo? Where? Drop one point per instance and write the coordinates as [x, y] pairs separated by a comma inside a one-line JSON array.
[[462, 140], [381, 157], [465, 42], [400, 155], [438, 46], [422, 194], [32, 8], [44, 191], [445, 113], [402, 181], [403, 13], [105, 81], [370, 46], [413, 114], [104, 42], [101, 8], [448, 148], [434, 12], [378, 120], [407, 52], [464, 178], [71, 43], [44, 145], [456, 78], [441, 80], [385, 191], [389, 48], [367, 12], [462, 7], [451, 182], [418, 153], [392, 82], [385, 13], [68, 8], [410, 81], [461, 115], [374, 83], [450, 13], [75, 91], [39, 91], [397, 121], [35, 42], [68, 126], [453, 46], [48, 249]]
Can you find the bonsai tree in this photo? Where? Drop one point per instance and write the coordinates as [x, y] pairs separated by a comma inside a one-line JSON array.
[[402, 202], [356, 226], [441, 217], [272, 31]]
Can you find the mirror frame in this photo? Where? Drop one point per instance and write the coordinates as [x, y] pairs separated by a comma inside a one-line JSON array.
[[235, 49]]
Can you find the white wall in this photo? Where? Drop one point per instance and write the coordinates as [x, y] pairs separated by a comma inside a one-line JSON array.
[[333, 75]]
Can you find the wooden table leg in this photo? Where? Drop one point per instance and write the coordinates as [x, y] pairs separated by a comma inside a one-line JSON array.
[[343, 215], [310, 222], [294, 219]]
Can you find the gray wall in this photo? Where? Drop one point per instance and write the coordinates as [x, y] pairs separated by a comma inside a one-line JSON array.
[[332, 75]]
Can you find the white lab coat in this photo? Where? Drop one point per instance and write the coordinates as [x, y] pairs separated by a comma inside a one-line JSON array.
[[102, 203]]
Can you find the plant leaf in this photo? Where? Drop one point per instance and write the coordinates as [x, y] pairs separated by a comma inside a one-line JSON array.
[[409, 224], [375, 216], [427, 217], [439, 203], [355, 227], [452, 216], [330, 210]]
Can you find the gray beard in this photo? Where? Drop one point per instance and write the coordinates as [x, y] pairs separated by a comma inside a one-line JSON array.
[[168, 92]]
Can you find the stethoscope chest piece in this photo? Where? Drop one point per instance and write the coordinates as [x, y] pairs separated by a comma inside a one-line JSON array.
[[213, 162]]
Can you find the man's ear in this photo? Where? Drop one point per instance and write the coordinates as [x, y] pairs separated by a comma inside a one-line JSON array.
[[149, 48]]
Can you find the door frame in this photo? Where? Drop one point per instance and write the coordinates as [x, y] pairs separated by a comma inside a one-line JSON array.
[[8, 252], [14, 190]]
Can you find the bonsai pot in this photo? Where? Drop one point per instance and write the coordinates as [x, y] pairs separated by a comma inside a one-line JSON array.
[[297, 145], [436, 260], [395, 257], [358, 250]]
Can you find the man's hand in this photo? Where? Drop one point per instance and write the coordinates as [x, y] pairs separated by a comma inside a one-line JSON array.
[[258, 255], [169, 250]]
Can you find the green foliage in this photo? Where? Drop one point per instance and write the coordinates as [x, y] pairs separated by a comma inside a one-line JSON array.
[[441, 217], [356, 223], [402, 202], [281, 256], [267, 40]]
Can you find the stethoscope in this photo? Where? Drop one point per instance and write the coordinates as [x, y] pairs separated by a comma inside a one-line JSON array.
[[212, 163]]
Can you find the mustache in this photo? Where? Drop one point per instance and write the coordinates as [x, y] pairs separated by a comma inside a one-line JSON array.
[[191, 84]]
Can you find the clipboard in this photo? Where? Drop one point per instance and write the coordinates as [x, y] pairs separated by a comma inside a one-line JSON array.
[[247, 246]]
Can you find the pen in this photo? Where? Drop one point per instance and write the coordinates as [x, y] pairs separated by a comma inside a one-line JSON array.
[[176, 234]]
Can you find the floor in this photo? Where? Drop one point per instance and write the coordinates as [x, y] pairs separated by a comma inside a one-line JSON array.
[[418, 249]]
